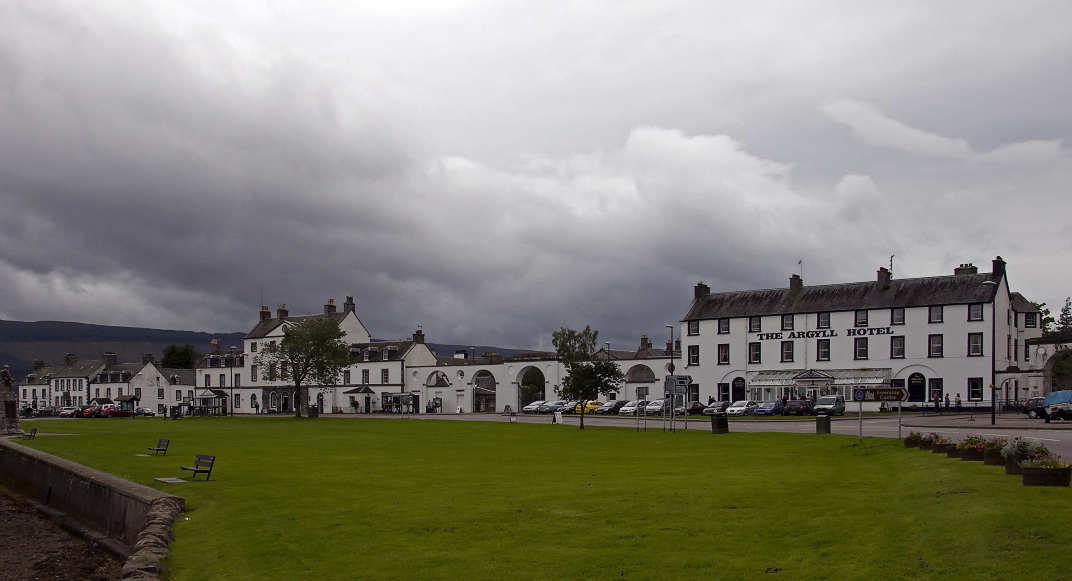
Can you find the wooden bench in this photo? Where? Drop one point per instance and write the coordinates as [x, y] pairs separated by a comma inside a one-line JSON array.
[[161, 446], [31, 434], [203, 465]]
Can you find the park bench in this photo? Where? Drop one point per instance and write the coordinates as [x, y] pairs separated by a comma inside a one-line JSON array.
[[31, 434], [203, 465], [161, 446]]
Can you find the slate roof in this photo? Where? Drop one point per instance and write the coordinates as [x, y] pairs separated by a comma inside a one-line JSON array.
[[266, 326], [80, 368], [42, 375], [1022, 305], [402, 349], [912, 292], [188, 376]]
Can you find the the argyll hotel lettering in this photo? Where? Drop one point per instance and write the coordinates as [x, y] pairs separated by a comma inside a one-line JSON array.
[[825, 333]]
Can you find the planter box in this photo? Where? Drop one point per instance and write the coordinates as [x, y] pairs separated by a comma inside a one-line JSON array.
[[971, 455], [924, 445], [993, 458], [911, 443], [941, 448], [1046, 476], [953, 452], [1012, 464]]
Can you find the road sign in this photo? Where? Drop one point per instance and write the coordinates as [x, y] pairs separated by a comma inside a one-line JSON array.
[[879, 394]]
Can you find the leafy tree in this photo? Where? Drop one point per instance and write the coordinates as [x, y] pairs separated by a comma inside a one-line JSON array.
[[1064, 320], [585, 379], [176, 357], [311, 352], [1046, 320]]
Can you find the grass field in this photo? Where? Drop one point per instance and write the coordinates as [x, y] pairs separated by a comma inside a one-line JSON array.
[[412, 499]]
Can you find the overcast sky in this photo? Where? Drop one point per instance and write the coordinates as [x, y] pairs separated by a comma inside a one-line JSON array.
[[493, 171]]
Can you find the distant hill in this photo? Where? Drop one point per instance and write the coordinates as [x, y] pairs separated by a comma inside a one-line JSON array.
[[22, 342]]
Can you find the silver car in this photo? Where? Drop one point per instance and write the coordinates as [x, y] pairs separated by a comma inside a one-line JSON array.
[[630, 409], [533, 407], [742, 408]]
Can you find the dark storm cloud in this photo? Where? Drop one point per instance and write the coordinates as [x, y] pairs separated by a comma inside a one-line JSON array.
[[492, 174]]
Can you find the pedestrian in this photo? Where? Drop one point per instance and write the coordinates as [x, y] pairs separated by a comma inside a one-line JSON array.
[[947, 403], [938, 405], [957, 402]]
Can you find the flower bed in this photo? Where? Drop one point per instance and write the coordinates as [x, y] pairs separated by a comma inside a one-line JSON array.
[[1046, 470], [1019, 450], [971, 448]]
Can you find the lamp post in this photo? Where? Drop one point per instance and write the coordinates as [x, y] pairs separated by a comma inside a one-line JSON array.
[[672, 369], [230, 405]]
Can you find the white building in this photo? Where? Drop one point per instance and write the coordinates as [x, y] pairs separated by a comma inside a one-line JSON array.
[[937, 336]]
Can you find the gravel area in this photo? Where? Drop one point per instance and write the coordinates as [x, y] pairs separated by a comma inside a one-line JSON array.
[[35, 548]]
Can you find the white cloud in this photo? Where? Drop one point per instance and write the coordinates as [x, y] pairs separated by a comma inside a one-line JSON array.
[[873, 127]]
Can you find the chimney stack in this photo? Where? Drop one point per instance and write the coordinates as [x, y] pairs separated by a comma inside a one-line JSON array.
[[795, 284], [418, 336], [70, 359], [111, 358], [38, 364], [702, 290], [999, 268], [349, 306], [147, 358], [883, 277], [677, 344], [669, 347], [265, 313], [213, 346], [963, 269], [282, 312], [329, 309], [645, 343]]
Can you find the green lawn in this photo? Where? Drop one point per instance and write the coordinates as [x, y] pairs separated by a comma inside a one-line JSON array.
[[413, 499]]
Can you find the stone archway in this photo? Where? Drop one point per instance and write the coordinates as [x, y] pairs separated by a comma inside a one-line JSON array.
[[532, 385], [484, 391], [1057, 373]]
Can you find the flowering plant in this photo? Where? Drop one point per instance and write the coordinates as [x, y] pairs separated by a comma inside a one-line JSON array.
[[994, 445], [939, 439], [1019, 447], [1044, 460], [914, 436], [926, 438], [971, 443]]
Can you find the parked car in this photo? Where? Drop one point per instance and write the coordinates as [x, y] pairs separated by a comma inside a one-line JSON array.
[[46, 411], [830, 405], [742, 408], [655, 407], [113, 411], [589, 407], [612, 407], [551, 406], [798, 407], [533, 407], [67, 412], [772, 407], [570, 406], [694, 408], [716, 407], [1034, 408], [633, 408], [145, 412]]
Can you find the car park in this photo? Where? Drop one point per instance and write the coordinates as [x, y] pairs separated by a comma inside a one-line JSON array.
[[533, 407], [772, 407], [742, 408], [694, 408], [612, 407], [590, 407], [552, 406], [830, 405], [633, 408], [716, 407], [1034, 408], [798, 407]]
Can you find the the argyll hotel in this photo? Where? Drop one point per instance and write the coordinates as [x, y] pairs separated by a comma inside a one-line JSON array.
[[937, 336]]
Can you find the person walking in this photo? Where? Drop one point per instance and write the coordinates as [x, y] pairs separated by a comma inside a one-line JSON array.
[[957, 403], [947, 403]]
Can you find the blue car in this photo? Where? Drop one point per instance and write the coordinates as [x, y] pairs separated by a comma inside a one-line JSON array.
[[771, 408]]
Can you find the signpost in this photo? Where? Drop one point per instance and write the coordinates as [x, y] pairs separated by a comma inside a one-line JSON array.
[[880, 394]]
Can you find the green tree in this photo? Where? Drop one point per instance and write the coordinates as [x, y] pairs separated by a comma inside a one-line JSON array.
[[1064, 320], [311, 352], [585, 379], [176, 357], [1045, 318]]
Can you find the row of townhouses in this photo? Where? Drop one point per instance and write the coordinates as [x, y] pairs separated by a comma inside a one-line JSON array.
[[937, 337]]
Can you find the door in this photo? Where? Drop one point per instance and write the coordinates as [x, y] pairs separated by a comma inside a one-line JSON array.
[[368, 404], [320, 402], [738, 389], [917, 387]]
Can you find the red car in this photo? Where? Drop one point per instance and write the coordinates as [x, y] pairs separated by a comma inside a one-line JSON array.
[[112, 411]]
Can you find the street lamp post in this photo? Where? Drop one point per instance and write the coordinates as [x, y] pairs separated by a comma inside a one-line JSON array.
[[673, 392], [230, 404]]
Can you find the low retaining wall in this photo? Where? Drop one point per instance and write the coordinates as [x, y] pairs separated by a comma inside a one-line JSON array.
[[137, 517]]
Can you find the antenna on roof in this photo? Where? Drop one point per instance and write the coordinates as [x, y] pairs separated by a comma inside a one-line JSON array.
[[800, 263], [891, 265]]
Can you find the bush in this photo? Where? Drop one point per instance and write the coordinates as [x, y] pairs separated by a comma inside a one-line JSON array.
[[1023, 448]]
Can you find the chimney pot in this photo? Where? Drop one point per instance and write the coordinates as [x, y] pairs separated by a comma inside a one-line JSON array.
[[702, 290], [418, 336], [964, 269], [349, 306], [282, 312], [795, 284], [265, 313], [329, 309]]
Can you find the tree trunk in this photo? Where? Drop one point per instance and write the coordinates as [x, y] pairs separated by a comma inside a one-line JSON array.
[[584, 404], [297, 399]]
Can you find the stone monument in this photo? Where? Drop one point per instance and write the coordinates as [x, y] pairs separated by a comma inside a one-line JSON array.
[[9, 412]]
